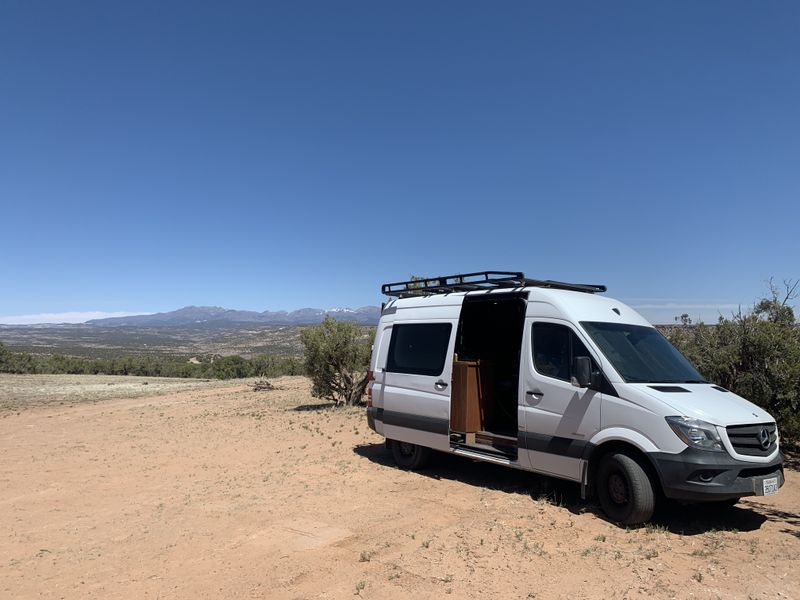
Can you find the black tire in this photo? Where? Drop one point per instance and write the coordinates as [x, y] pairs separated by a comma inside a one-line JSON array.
[[409, 456], [625, 490]]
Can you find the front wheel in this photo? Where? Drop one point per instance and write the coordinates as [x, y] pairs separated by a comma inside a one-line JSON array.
[[625, 491], [409, 456]]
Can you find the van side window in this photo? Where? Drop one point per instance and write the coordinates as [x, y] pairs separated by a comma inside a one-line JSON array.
[[419, 349], [555, 348]]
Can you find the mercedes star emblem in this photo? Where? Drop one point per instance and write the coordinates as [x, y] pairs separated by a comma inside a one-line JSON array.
[[763, 438]]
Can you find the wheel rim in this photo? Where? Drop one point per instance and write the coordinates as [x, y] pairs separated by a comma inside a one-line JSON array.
[[618, 489], [406, 449]]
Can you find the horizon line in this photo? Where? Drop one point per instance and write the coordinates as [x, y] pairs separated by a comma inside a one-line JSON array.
[[81, 317]]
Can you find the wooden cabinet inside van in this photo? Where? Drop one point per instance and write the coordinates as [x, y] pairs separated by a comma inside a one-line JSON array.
[[470, 400]]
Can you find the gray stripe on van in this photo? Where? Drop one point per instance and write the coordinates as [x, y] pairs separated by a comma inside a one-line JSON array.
[[549, 444], [418, 422], [537, 442]]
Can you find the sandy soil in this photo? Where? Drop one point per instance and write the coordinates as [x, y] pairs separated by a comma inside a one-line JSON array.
[[222, 492], [23, 392]]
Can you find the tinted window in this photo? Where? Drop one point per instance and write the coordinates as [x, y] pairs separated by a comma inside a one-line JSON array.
[[555, 348], [641, 354], [419, 349]]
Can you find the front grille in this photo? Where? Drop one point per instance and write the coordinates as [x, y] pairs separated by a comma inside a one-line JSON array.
[[746, 439]]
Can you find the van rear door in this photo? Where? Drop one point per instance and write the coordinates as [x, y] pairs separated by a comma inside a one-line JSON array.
[[417, 377]]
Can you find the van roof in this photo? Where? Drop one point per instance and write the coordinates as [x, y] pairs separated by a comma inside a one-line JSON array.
[[556, 303]]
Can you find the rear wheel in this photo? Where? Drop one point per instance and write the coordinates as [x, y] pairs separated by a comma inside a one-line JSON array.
[[409, 456], [625, 491]]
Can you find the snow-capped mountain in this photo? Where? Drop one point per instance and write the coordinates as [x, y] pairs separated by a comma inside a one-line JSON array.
[[189, 315]]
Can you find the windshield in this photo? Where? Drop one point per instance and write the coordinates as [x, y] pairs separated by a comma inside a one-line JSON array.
[[641, 354]]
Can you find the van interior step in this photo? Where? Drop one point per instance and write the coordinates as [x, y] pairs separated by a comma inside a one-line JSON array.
[[486, 456], [487, 442], [484, 449], [494, 439]]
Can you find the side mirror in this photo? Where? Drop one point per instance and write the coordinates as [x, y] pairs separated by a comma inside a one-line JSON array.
[[597, 380], [583, 372]]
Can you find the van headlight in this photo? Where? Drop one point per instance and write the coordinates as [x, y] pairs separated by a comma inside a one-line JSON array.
[[696, 433]]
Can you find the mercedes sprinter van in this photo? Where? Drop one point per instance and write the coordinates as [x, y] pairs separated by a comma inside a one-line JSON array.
[[556, 379]]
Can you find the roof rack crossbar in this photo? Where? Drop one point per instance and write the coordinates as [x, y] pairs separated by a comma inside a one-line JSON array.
[[591, 288], [481, 280]]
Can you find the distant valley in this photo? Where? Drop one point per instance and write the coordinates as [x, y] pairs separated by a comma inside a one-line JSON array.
[[186, 332], [215, 315]]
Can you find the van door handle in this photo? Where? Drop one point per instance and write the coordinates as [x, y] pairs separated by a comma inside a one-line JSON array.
[[535, 393], [440, 385]]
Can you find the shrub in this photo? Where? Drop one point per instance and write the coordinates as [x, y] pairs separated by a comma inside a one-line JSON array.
[[754, 354], [336, 359], [220, 367], [231, 367]]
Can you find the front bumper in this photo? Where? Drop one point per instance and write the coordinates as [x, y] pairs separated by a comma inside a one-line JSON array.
[[700, 476]]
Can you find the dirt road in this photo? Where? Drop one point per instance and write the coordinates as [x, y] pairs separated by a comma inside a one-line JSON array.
[[221, 492]]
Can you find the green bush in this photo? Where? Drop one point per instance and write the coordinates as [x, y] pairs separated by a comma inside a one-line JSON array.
[[336, 359], [754, 354], [219, 367]]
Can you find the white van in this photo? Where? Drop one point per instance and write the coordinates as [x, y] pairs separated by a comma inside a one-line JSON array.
[[552, 378]]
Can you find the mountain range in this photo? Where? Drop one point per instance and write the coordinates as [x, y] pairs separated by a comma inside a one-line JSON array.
[[216, 315]]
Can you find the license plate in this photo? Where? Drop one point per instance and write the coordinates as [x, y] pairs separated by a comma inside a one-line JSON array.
[[770, 486]]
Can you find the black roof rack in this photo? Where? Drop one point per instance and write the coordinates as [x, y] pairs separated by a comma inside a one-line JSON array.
[[481, 280]]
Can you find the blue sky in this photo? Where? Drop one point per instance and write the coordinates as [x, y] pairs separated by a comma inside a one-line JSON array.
[[263, 155]]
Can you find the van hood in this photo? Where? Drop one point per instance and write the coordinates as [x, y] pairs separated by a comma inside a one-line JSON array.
[[707, 402]]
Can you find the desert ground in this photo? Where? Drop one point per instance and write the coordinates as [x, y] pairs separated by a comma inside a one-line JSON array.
[[175, 489]]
